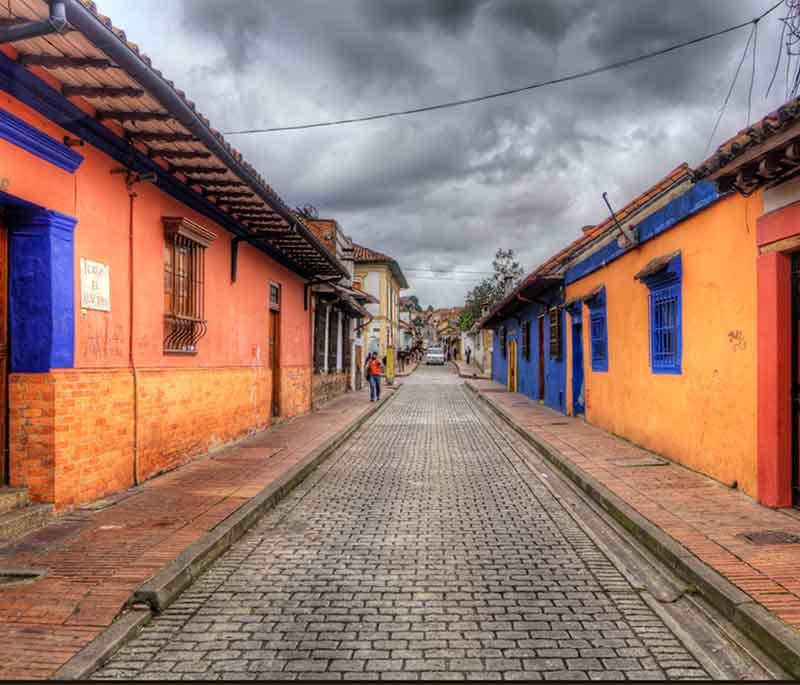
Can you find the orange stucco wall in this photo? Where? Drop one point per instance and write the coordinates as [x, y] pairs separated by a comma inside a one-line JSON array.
[[705, 417], [233, 354]]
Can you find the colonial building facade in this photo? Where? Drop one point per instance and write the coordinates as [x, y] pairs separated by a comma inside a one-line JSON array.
[[380, 276], [156, 302]]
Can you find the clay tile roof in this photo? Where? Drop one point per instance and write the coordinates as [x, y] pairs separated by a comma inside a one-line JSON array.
[[759, 132], [364, 255], [85, 17], [548, 268]]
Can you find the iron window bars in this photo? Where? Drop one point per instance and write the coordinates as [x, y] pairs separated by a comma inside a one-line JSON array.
[[663, 277], [185, 324]]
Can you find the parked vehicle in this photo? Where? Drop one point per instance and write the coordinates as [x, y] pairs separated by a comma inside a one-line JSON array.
[[434, 355]]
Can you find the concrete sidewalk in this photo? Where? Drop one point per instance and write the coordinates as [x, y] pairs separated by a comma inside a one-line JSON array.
[[663, 503], [97, 556]]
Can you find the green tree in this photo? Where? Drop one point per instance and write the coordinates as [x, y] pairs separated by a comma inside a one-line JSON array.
[[506, 274]]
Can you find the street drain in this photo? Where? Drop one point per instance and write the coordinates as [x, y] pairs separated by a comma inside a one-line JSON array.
[[18, 577], [638, 462], [771, 537]]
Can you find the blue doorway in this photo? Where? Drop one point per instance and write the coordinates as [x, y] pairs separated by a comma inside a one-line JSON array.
[[578, 388]]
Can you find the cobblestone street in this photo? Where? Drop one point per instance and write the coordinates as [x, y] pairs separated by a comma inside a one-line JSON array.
[[425, 548]]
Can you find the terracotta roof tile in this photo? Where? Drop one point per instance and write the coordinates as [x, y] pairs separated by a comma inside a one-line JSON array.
[[775, 122]]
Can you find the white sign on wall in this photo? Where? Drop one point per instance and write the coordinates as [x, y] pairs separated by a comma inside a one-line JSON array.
[[95, 285]]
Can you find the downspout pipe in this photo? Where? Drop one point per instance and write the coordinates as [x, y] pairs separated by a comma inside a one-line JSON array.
[[104, 39], [55, 23]]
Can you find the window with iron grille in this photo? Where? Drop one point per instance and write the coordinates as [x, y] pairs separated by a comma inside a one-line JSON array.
[[555, 333], [598, 331], [185, 323], [665, 328], [503, 343], [333, 340], [526, 340]]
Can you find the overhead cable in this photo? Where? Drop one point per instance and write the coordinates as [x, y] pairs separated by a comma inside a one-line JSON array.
[[514, 91]]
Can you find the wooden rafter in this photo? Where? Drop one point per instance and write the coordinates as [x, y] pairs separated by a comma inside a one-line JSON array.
[[180, 154], [120, 115], [101, 92], [65, 62], [155, 137], [226, 196], [192, 170], [215, 183]]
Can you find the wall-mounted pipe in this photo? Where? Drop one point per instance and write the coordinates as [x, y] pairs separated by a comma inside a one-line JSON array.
[[55, 23]]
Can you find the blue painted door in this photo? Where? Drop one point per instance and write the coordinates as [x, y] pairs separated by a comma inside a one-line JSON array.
[[578, 389]]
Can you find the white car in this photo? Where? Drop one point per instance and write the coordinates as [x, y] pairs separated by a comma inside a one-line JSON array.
[[434, 355]]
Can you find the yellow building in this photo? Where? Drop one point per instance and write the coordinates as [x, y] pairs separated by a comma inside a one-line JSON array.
[[380, 276]]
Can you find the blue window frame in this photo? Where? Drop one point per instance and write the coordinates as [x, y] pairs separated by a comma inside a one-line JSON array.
[[598, 330], [663, 278]]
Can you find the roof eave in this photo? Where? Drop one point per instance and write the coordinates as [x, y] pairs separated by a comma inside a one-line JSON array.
[[101, 35]]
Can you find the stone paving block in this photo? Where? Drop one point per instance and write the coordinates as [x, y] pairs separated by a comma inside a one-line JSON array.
[[417, 551]]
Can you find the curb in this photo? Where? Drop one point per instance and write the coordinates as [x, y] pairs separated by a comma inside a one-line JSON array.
[[163, 588], [777, 639]]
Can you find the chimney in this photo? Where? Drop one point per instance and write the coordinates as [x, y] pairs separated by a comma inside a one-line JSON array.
[[587, 228], [507, 281]]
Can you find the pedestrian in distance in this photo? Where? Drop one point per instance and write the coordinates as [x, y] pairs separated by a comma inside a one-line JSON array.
[[469, 354], [373, 374]]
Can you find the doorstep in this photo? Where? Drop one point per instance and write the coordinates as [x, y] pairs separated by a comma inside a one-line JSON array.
[[693, 523], [149, 541]]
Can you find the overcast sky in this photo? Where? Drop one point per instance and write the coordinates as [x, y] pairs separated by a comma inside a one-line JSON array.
[[446, 189]]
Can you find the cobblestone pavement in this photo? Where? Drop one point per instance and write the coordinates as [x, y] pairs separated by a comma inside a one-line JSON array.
[[423, 549]]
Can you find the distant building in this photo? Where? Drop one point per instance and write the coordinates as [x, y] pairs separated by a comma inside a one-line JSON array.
[[380, 276], [338, 317]]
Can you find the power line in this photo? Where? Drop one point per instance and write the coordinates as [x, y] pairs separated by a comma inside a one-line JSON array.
[[512, 91], [730, 90]]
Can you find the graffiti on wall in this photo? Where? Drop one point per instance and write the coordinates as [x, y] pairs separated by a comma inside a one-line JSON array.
[[103, 342]]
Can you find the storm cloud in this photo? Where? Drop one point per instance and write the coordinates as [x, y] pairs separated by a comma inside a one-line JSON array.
[[445, 189]]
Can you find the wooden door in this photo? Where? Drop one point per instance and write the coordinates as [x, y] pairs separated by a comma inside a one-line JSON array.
[[512, 366], [541, 358], [359, 368], [796, 378], [4, 474], [275, 359]]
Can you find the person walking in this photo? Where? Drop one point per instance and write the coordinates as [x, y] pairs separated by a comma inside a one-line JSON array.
[[374, 373], [469, 354]]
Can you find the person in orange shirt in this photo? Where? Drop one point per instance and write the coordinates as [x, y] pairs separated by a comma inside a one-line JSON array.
[[374, 373]]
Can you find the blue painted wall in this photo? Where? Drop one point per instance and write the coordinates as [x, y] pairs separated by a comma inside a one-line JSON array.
[[555, 370]]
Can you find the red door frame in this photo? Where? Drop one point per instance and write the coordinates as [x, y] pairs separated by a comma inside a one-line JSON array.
[[778, 235]]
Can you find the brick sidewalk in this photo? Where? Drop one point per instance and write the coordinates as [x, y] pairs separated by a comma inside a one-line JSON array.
[[704, 516], [97, 556], [468, 370]]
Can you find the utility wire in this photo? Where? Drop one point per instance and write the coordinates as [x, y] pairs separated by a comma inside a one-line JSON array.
[[513, 91], [752, 73], [730, 91]]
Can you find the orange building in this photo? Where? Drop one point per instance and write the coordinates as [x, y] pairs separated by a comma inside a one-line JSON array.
[[762, 163], [157, 286]]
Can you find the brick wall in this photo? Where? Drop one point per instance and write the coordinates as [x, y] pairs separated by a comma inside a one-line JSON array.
[[71, 431], [184, 413], [326, 386], [31, 432]]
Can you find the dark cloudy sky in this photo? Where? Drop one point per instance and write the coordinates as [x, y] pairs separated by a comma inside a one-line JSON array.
[[444, 190]]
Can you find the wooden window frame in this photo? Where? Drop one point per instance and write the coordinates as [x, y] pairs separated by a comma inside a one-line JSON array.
[[556, 332], [526, 340], [275, 305], [185, 243]]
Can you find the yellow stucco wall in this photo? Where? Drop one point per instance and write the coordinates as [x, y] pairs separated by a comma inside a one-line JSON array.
[[705, 417]]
